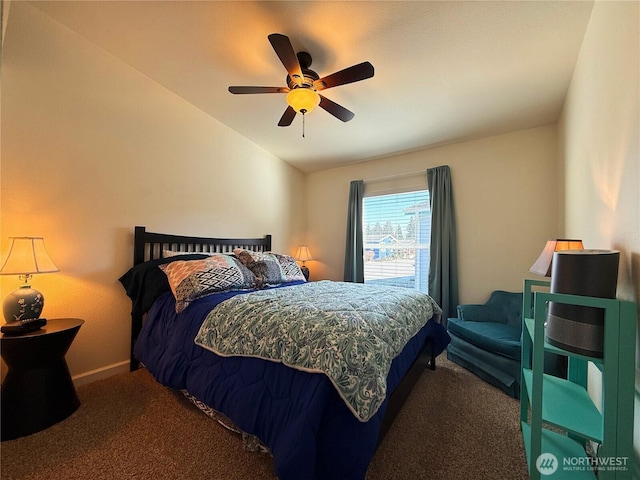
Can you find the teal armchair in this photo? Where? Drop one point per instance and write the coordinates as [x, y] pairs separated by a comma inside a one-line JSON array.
[[486, 340]]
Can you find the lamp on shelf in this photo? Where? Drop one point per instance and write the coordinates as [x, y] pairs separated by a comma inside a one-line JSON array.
[[25, 256], [543, 264], [304, 255]]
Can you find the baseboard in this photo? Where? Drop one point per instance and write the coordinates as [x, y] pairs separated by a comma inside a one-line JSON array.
[[100, 373]]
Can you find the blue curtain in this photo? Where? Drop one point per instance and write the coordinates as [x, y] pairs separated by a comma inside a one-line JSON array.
[[443, 268], [354, 251]]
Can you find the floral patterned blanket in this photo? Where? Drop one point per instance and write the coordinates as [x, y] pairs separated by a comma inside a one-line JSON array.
[[350, 332]]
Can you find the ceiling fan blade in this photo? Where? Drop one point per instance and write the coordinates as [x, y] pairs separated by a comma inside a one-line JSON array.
[[282, 45], [287, 117], [336, 110], [242, 90], [352, 74]]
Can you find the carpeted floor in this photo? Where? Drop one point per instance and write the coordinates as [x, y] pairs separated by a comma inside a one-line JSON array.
[[453, 426]]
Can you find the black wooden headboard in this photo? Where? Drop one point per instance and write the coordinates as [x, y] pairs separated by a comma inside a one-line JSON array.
[[148, 246]]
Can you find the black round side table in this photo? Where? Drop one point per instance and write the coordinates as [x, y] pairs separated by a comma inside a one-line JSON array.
[[37, 390]]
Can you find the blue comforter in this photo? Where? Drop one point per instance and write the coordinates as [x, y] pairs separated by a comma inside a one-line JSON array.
[[299, 415]]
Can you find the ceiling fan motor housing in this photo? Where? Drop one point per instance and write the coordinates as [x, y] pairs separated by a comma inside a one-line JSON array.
[[309, 76]]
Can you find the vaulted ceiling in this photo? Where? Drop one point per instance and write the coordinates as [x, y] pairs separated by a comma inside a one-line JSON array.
[[445, 71]]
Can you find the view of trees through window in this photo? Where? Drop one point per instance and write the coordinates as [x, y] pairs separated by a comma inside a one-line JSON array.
[[408, 232], [396, 231]]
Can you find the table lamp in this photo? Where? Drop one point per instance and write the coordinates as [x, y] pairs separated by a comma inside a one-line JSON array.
[[25, 256], [543, 264], [302, 256]]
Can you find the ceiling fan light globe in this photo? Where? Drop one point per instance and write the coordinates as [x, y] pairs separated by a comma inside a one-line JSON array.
[[303, 100]]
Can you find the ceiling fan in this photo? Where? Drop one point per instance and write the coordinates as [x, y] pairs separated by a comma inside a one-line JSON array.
[[304, 84]]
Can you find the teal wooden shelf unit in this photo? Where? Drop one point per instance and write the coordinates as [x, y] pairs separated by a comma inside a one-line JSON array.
[[558, 416]]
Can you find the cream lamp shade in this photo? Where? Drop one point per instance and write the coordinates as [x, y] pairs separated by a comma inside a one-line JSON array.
[[25, 256], [303, 253], [543, 264]]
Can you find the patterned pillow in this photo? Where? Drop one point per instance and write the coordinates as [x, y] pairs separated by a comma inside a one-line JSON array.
[[290, 269], [280, 268], [193, 279], [265, 266]]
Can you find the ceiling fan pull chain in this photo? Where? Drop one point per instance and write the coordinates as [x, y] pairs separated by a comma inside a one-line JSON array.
[[303, 115]]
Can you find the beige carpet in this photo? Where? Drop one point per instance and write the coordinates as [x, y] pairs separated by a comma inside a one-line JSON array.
[[454, 426]]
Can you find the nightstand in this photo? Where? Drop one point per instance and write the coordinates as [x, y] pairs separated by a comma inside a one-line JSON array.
[[37, 391]]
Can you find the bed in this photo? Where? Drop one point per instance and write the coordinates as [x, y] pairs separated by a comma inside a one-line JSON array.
[[317, 418]]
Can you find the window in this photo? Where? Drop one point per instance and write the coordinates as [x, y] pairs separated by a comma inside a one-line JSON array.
[[397, 228]]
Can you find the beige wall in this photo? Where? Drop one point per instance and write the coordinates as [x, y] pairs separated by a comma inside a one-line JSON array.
[[90, 148], [600, 150], [505, 194]]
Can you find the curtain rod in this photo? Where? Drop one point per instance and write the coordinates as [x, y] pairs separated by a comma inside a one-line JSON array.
[[397, 175]]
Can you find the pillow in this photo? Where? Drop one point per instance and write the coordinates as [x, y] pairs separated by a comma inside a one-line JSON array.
[[265, 266], [193, 279], [145, 282], [291, 271]]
